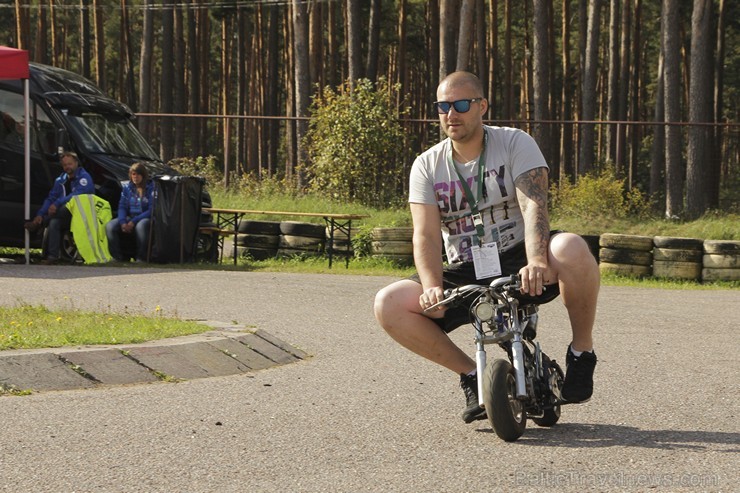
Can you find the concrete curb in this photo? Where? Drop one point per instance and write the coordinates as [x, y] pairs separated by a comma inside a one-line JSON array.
[[226, 350]]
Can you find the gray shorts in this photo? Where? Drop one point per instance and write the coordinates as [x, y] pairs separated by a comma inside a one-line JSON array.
[[462, 273]]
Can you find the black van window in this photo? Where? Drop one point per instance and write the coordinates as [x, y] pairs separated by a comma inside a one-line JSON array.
[[46, 130], [13, 119]]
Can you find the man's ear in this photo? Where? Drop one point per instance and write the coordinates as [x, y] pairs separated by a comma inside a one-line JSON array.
[[483, 106]]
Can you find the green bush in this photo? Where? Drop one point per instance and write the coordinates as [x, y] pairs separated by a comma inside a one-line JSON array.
[[597, 195], [205, 167], [355, 144]]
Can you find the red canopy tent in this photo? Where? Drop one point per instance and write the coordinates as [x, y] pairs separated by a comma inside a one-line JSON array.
[[14, 65]]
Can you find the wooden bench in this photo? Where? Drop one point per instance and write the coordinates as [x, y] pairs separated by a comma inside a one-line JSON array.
[[227, 224]]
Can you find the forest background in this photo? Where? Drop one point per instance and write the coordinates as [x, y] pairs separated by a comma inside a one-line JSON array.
[[646, 92]]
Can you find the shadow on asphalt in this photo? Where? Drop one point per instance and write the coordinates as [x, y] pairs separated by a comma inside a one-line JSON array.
[[80, 271], [587, 435]]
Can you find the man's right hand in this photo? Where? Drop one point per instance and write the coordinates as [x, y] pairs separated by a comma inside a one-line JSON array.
[[52, 209], [432, 296]]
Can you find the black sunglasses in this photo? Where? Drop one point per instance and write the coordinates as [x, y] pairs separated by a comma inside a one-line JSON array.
[[461, 105]]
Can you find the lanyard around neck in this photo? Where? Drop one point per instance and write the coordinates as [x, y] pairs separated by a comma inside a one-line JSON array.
[[472, 200]]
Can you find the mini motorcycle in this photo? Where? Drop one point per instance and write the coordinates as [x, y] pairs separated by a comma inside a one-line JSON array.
[[528, 383]]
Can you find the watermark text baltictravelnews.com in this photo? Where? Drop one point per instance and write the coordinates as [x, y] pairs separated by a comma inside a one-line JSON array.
[[576, 478]]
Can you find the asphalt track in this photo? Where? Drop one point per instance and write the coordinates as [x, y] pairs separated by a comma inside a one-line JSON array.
[[362, 414]]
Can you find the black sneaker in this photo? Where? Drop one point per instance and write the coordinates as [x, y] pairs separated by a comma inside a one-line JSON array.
[[579, 377], [472, 410]]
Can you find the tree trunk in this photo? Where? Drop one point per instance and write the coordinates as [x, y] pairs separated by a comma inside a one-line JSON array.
[[481, 44], [657, 153], [541, 79], [315, 43], [85, 37], [194, 79], [700, 110], [302, 80], [716, 148], [508, 65], [493, 56], [98, 17], [613, 87], [22, 25], [566, 105], [167, 84], [626, 60], [465, 35], [42, 40], [373, 44], [402, 70], [271, 99], [586, 161], [672, 93], [447, 38], [354, 46], [181, 100], [145, 67]]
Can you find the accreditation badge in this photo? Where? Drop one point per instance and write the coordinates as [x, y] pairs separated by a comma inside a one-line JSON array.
[[486, 260]]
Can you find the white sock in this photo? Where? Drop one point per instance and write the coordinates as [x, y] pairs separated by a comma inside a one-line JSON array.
[[578, 353]]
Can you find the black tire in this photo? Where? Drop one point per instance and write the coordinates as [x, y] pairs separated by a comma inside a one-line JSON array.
[[294, 228], [554, 376], [259, 227], [628, 270], [256, 253], [624, 256], [392, 247], [67, 250], [678, 243], [676, 254], [505, 413], [206, 247], [630, 242], [301, 243], [593, 244], [392, 234], [722, 247], [258, 240]]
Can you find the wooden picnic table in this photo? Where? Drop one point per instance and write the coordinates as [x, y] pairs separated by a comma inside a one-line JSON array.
[[227, 222]]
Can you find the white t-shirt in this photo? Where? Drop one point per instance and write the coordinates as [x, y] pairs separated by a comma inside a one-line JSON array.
[[509, 152]]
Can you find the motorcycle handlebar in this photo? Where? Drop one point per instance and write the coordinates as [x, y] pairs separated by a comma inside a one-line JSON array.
[[500, 285]]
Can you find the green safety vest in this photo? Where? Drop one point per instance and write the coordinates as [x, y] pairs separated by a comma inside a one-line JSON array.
[[90, 214]]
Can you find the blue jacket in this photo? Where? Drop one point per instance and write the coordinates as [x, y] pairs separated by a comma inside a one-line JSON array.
[[133, 208], [82, 183]]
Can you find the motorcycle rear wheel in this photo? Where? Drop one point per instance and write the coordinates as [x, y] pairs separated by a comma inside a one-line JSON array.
[[505, 412]]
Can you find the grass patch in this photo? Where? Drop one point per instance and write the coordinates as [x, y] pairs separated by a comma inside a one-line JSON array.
[[28, 327]]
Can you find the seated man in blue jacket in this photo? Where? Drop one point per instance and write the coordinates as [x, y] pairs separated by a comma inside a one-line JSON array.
[[74, 181]]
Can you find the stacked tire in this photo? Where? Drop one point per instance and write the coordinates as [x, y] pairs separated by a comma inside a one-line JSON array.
[[677, 258], [720, 261], [394, 244], [258, 240], [626, 255], [593, 244], [342, 245], [298, 239]]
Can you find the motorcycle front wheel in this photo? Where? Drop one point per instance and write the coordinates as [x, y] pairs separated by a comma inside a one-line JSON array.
[[505, 412]]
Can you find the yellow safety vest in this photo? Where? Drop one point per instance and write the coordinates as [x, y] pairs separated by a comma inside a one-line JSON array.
[[90, 214]]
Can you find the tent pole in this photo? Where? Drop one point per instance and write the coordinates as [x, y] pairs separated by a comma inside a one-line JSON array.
[[27, 163]]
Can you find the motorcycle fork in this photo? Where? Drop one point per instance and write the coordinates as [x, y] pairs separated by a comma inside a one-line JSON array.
[[480, 360]]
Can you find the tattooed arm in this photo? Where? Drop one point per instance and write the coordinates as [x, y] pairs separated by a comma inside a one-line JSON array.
[[531, 192]]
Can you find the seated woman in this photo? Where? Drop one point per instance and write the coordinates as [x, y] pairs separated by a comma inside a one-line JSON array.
[[134, 213]]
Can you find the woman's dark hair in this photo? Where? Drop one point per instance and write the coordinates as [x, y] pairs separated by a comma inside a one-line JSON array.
[[140, 169]]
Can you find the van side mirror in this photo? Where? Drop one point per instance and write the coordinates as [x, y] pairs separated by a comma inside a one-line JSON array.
[[62, 140]]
